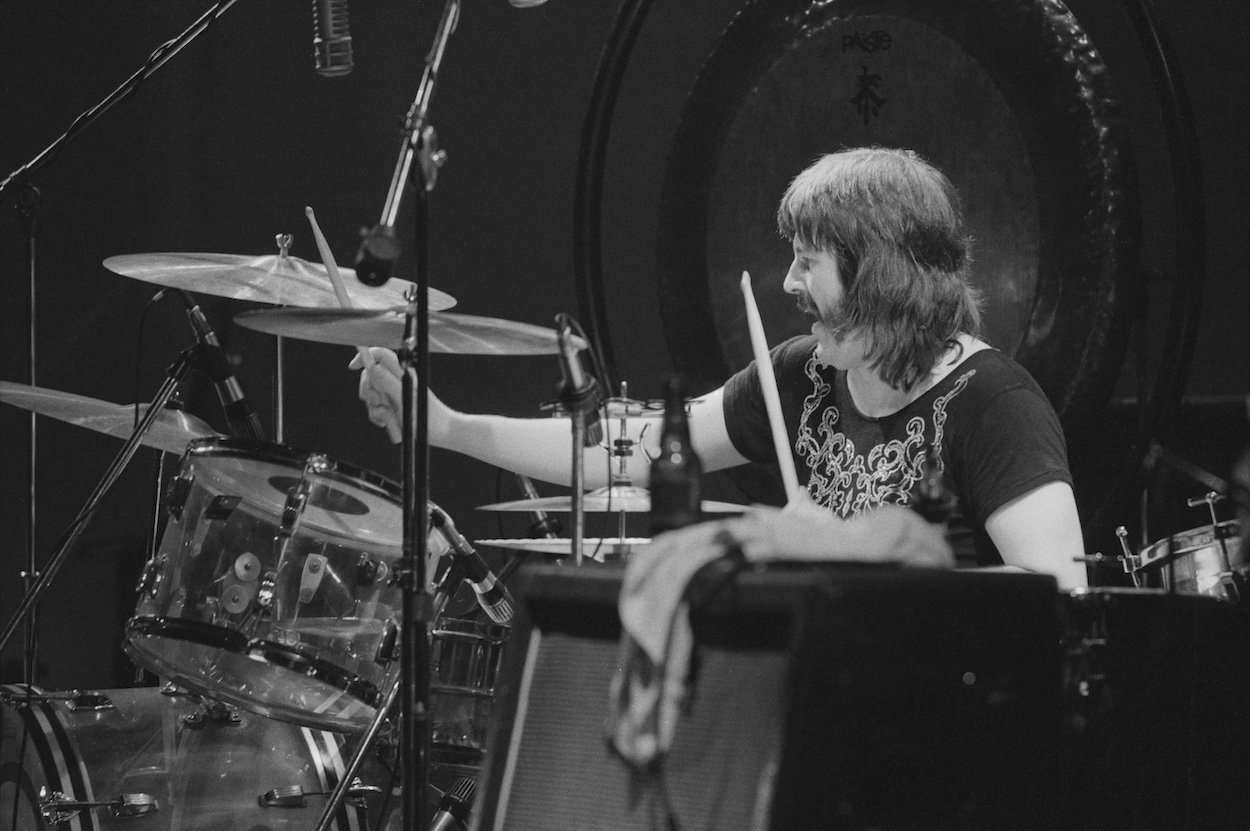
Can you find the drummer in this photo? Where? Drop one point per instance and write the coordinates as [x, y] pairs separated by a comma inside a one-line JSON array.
[[894, 365]]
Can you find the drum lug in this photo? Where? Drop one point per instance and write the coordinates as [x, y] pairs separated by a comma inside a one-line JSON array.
[[264, 593], [150, 578], [56, 808], [212, 712], [176, 498], [294, 796], [315, 567], [388, 643], [370, 571]]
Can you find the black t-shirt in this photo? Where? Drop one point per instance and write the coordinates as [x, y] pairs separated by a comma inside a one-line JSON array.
[[995, 436]]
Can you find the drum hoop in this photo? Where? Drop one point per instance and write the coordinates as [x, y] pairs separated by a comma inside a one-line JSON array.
[[1188, 541], [183, 629], [293, 659], [214, 446], [462, 627]]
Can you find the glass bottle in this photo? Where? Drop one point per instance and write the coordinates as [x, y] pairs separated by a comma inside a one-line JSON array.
[[676, 473]]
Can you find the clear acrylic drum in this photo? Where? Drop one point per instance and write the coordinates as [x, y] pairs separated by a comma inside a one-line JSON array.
[[270, 589], [161, 763]]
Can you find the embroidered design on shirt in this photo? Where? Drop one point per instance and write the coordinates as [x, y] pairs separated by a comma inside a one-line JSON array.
[[849, 480]]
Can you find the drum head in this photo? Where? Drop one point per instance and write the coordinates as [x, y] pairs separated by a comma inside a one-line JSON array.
[[1009, 99]]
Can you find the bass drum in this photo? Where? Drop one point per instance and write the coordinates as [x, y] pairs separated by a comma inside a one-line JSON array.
[[138, 747]]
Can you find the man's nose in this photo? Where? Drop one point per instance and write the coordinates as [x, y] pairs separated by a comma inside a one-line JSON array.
[[792, 284]]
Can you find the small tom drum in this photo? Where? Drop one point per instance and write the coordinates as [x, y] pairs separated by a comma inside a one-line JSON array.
[[1206, 561], [270, 588]]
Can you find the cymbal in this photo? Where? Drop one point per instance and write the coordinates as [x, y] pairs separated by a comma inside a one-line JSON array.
[[170, 432], [598, 546], [605, 500], [450, 332], [273, 279]]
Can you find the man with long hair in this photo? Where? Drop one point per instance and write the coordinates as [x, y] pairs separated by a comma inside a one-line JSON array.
[[893, 382]]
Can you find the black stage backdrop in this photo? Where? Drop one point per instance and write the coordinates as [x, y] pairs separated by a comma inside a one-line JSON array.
[[224, 146]]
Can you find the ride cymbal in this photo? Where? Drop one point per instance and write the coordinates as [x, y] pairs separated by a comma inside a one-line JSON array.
[[605, 500], [170, 432], [449, 332], [272, 279]]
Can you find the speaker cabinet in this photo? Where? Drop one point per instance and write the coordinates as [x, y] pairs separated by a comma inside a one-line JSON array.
[[845, 697]]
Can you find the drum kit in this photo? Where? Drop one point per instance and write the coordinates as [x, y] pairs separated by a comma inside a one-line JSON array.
[[271, 599]]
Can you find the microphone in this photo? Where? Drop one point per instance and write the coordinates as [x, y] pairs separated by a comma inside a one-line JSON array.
[[243, 420], [578, 392], [453, 808], [377, 255], [332, 41], [492, 596]]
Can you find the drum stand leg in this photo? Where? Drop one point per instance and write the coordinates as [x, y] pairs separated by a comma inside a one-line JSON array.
[[177, 373], [335, 800]]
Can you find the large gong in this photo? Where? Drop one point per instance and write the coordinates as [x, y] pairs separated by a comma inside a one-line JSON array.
[[1008, 97]]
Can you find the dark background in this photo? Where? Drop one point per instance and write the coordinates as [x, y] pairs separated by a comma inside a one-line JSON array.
[[224, 147]]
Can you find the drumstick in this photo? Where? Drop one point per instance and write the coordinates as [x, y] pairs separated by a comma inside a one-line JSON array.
[[768, 386], [340, 291]]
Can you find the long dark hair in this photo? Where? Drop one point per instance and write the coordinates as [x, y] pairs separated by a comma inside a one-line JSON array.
[[895, 225]]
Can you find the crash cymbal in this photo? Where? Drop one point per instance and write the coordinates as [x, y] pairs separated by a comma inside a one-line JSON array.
[[273, 279], [170, 432], [605, 500], [449, 332], [593, 546]]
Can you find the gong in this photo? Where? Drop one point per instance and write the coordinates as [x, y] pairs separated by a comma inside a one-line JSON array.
[[1008, 97]]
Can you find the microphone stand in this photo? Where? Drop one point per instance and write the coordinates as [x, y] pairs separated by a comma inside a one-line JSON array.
[[155, 61], [27, 202], [177, 373], [378, 253]]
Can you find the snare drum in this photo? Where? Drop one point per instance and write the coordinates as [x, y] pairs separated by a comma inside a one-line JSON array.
[[465, 657], [137, 748], [270, 588], [1206, 561]]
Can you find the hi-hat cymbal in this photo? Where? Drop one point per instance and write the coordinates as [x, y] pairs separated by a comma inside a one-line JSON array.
[[605, 500], [273, 279], [170, 432], [591, 546], [449, 332]]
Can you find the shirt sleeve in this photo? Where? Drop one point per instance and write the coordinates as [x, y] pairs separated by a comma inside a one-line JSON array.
[[1016, 445], [746, 415]]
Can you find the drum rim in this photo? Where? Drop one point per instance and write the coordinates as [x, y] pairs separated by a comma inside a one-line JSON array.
[[294, 660], [464, 626], [230, 447], [272, 652], [233, 447], [1182, 538]]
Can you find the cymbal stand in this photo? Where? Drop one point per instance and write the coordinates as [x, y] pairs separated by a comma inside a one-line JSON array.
[[623, 449], [27, 202], [177, 373], [377, 256], [279, 360]]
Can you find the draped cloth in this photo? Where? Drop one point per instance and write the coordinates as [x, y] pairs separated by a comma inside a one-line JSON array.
[[652, 682]]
